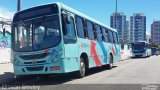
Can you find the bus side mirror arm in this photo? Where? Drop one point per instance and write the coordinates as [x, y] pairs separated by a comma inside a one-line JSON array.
[[68, 19], [4, 32]]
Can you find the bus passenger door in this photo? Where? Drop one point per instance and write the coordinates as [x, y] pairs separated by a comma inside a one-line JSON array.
[[70, 40]]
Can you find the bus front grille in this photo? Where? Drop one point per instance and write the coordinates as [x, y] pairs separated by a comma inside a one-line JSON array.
[[37, 62], [39, 68], [35, 56]]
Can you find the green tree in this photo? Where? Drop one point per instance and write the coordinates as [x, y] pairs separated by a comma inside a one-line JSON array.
[[154, 45]]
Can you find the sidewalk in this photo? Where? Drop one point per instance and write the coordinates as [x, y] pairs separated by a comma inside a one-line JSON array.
[[5, 55], [6, 68], [5, 61], [125, 56]]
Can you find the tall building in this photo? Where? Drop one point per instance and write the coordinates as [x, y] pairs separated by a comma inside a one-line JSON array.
[[138, 27], [155, 32], [127, 31], [118, 21]]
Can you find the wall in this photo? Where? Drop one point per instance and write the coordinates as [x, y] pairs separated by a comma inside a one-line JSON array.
[[5, 44], [125, 49]]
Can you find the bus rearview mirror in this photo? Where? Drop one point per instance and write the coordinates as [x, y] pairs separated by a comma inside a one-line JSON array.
[[68, 19]]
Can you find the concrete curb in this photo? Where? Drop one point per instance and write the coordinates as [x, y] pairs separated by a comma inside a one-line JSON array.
[[5, 62], [129, 57]]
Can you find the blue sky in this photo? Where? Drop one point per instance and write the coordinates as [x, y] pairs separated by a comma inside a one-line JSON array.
[[98, 9]]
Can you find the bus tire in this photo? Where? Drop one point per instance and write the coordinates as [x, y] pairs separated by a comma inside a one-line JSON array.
[[110, 61], [82, 71]]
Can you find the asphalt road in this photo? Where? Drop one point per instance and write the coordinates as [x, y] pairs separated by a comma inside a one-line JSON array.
[[133, 71], [140, 71]]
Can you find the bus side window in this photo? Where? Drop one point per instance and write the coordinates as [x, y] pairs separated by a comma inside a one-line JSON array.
[[80, 27], [64, 21], [99, 33], [94, 31], [110, 36], [69, 30], [105, 34], [115, 38], [85, 28], [90, 30]]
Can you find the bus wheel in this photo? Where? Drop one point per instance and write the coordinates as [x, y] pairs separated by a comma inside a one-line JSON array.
[[110, 62], [82, 70]]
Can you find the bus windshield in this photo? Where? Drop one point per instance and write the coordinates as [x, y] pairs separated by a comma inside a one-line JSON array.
[[138, 46], [36, 34]]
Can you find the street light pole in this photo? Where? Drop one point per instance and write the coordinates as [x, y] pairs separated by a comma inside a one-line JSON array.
[[18, 5]]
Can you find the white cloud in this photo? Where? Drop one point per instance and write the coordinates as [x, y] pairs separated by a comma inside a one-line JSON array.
[[6, 13]]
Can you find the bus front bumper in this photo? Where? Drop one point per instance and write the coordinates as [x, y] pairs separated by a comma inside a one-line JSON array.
[[38, 69], [138, 55]]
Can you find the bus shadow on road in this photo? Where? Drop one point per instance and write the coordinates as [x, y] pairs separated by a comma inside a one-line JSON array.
[[99, 69], [63, 78], [139, 57], [47, 80], [7, 76]]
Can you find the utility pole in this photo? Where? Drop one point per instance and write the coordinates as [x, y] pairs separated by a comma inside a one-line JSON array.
[[116, 16], [19, 5], [116, 6]]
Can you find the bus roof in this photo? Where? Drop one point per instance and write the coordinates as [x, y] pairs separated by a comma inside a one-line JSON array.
[[83, 15], [63, 6]]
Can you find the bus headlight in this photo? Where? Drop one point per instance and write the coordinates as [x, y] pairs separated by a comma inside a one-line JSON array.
[[17, 62], [55, 58]]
